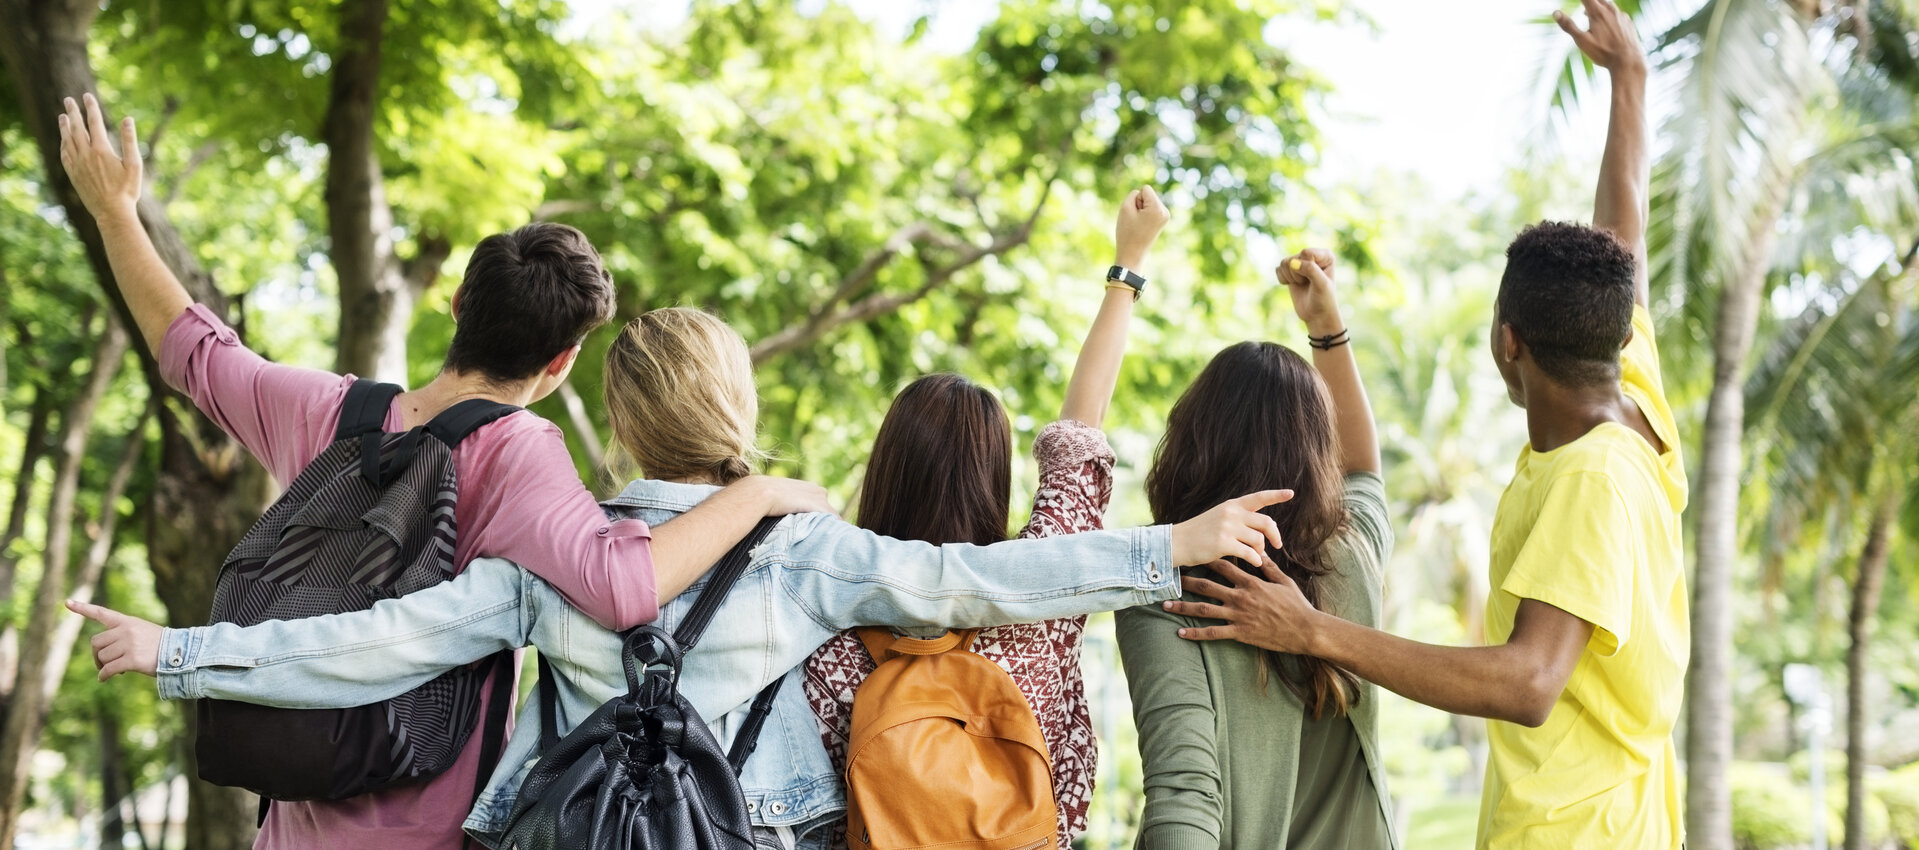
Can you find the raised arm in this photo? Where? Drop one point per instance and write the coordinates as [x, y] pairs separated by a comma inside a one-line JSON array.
[[1621, 203], [1090, 392], [109, 185], [1308, 277]]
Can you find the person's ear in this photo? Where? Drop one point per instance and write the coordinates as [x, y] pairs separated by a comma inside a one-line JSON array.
[[453, 307], [1511, 347], [1628, 340], [562, 362]]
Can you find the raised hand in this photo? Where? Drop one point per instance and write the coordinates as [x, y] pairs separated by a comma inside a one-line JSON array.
[[1308, 277], [1233, 529], [129, 644], [1141, 218], [1608, 40], [105, 180]]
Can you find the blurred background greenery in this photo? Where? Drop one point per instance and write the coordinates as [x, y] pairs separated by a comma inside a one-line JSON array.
[[875, 190]]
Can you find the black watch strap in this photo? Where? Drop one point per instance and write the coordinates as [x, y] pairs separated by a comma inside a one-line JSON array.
[[1122, 274]]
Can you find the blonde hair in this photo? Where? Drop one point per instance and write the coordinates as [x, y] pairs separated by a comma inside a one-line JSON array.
[[680, 395]]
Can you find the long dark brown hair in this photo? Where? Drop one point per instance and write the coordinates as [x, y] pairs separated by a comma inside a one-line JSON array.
[[942, 466], [1259, 418]]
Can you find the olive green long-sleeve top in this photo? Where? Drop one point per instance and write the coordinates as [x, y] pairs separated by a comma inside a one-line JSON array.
[[1230, 765]]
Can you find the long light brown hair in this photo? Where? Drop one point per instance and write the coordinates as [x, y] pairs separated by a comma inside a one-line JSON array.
[[1258, 417], [941, 467]]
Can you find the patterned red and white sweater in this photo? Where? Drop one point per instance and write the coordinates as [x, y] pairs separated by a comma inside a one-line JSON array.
[[1075, 485]]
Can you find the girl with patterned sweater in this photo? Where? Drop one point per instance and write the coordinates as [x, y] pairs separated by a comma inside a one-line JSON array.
[[941, 472]]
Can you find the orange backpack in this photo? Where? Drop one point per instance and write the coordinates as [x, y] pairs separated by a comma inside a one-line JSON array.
[[945, 752]]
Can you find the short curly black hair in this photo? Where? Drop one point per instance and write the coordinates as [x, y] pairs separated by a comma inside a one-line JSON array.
[[1568, 295]]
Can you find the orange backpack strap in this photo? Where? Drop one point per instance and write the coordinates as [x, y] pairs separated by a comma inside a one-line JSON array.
[[882, 644]]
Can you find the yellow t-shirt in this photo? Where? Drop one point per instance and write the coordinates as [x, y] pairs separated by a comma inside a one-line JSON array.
[[1593, 528]]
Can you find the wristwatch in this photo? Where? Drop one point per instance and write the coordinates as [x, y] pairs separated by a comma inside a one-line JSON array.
[[1122, 274]]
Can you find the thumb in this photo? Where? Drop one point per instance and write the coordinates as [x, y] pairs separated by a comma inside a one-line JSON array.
[[104, 616], [1264, 498], [1566, 23]]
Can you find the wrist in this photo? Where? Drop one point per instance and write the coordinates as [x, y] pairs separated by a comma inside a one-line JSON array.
[[117, 214], [1313, 633], [1325, 325], [1131, 259], [1628, 70]]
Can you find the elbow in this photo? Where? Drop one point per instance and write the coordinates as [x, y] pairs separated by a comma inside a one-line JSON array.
[[1531, 699]]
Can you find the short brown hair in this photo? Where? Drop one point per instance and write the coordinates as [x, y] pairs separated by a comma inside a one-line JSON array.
[[942, 466], [528, 295]]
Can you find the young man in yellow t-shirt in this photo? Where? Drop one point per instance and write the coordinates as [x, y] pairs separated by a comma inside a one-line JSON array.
[[1587, 620]]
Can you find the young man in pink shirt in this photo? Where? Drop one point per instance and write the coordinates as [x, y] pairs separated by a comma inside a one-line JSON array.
[[527, 300]]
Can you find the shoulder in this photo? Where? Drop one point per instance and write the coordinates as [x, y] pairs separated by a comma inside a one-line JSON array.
[[1369, 525]]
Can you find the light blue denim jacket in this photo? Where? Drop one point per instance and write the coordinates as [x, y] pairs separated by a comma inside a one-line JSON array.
[[813, 576]]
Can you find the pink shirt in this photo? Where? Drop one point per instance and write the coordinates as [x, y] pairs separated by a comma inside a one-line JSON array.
[[520, 498], [1075, 485]]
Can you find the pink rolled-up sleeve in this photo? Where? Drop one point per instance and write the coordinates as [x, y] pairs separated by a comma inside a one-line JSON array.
[[530, 508], [284, 415], [1075, 480]]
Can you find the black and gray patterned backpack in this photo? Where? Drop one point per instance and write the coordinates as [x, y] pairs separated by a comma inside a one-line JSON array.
[[371, 518]]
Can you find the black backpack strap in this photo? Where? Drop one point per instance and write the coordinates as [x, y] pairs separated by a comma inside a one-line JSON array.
[[456, 422], [748, 738], [549, 706], [720, 581], [364, 410], [493, 734]]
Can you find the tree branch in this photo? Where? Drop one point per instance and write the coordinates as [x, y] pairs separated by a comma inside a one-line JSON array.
[[88, 578], [824, 319], [199, 157], [583, 425], [421, 269]]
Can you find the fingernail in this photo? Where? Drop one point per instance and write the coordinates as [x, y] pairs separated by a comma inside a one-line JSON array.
[[1166, 605], [1294, 265], [1182, 632]]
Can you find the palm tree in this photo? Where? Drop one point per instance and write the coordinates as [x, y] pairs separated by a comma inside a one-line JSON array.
[[1837, 447]]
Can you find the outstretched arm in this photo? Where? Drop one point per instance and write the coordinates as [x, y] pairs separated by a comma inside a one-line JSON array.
[[109, 185], [1308, 277], [1090, 392], [1620, 205], [1517, 681], [333, 661]]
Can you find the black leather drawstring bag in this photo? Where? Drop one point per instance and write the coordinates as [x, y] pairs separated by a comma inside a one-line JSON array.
[[644, 772]]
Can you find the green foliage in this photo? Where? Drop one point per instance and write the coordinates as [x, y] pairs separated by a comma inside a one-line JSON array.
[[1768, 808], [1898, 791]]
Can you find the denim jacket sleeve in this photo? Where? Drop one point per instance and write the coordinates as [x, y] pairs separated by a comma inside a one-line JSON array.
[[845, 576], [343, 660]]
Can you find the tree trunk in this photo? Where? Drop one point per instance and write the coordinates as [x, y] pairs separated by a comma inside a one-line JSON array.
[[207, 489], [27, 707], [1859, 623], [113, 802], [1709, 714], [377, 289], [32, 449]]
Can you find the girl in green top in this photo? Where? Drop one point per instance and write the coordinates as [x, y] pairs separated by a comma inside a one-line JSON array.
[[1244, 748]]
